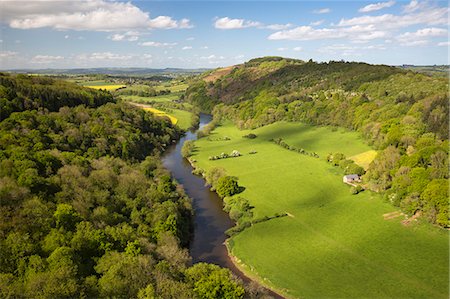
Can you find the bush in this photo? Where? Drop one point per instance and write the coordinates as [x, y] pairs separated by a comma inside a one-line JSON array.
[[355, 190], [250, 136], [188, 147], [227, 186]]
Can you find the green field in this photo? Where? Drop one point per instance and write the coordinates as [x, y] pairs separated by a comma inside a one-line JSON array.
[[172, 86], [158, 99], [333, 244], [183, 116]]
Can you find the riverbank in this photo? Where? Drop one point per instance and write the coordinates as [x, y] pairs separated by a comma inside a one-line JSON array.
[[253, 276]]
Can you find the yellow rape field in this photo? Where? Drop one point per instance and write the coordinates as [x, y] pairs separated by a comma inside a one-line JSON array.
[[364, 159], [161, 113], [106, 87]]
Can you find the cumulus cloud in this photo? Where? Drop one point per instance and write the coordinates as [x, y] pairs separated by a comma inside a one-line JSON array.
[[298, 49], [322, 11], [279, 26], [444, 44], [376, 6], [366, 28], [348, 50], [157, 44], [103, 56], [127, 36], [420, 37], [186, 48], [7, 54], [428, 15], [94, 15], [226, 23]]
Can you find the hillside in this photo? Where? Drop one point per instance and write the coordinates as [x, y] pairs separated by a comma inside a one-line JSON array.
[[87, 209], [402, 114]]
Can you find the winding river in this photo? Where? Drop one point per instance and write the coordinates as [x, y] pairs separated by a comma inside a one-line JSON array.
[[210, 221]]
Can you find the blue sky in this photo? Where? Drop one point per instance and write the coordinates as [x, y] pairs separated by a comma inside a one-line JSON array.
[[187, 34]]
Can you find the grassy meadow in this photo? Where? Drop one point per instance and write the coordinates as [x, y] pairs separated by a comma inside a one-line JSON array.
[[177, 117], [332, 244], [172, 86]]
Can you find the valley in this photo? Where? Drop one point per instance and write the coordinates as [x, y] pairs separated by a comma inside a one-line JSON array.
[[329, 232]]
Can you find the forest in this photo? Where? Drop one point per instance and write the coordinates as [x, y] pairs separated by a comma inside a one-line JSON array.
[[402, 114], [87, 209]]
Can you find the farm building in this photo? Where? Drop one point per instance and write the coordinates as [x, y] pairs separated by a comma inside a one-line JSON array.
[[351, 178]]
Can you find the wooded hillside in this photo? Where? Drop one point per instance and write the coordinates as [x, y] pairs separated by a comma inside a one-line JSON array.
[[402, 114]]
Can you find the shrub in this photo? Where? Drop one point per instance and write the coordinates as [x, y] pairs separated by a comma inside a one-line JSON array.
[[227, 186], [250, 136], [188, 147]]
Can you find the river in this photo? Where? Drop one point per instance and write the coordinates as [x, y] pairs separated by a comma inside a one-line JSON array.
[[210, 221]]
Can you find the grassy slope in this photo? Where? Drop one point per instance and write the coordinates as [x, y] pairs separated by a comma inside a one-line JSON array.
[[183, 116], [337, 244]]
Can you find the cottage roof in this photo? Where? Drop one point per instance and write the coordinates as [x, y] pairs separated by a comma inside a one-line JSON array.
[[351, 176]]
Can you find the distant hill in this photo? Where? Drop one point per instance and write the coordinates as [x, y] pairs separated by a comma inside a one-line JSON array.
[[432, 70], [109, 71]]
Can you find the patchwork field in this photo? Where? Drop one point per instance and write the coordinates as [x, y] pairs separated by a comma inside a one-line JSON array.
[[106, 87], [158, 99], [333, 244], [178, 117], [172, 86]]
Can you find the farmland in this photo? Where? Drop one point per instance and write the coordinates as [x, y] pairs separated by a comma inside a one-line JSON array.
[[333, 244]]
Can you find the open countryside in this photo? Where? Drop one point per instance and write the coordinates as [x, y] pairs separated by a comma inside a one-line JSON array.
[[330, 238], [224, 150]]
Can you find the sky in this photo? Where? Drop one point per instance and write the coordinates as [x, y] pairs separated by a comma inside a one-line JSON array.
[[207, 34]]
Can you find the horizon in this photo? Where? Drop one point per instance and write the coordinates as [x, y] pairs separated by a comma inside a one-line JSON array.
[[193, 34]]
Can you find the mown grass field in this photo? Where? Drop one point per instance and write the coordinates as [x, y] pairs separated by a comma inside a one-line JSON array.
[[334, 244]]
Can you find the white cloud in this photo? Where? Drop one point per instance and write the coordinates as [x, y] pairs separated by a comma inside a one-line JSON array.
[[322, 11], [298, 49], [157, 44], [367, 28], [413, 6], [46, 59], [316, 23], [204, 48], [279, 26], [348, 50], [186, 48], [127, 36], [66, 36], [355, 33], [429, 16], [376, 6], [226, 23], [95, 15], [7, 54], [190, 38], [306, 33], [443, 44], [282, 49], [419, 38]]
